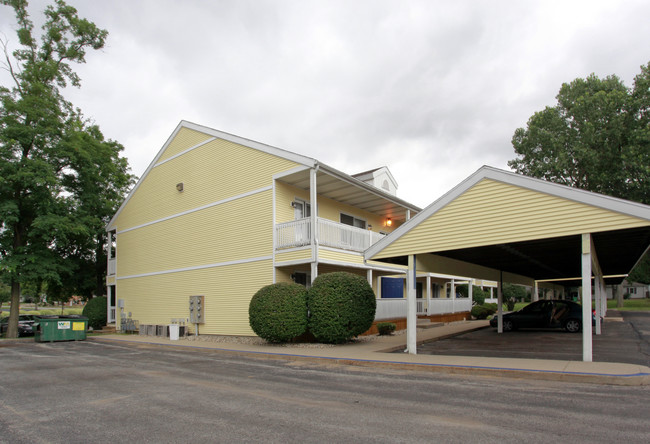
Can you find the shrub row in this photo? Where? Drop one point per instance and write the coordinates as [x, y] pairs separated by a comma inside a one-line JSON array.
[[337, 307], [483, 311]]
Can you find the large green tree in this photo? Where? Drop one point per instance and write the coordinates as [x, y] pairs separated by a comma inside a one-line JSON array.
[[597, 137], [59, 178]]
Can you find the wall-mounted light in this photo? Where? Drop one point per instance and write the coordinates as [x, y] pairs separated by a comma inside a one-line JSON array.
[[369, 227], [294, 204], [179, 187], [389, 222]]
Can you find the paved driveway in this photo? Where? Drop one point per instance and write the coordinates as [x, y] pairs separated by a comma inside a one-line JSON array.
[[625, 338]]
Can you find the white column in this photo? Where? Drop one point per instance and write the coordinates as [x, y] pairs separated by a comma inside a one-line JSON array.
[[411, 308], [428, 294], [535, 297], [586, 299], [599, 305], [499, 308], [369, 277], [469, 291], [314, 226], [452, 293]]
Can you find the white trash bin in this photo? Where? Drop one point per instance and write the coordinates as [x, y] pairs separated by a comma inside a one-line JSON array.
[[173, 332]]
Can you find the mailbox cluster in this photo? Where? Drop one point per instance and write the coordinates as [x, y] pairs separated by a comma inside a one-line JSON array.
[[197, 309]]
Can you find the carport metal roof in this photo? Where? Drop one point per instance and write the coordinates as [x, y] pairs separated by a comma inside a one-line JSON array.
[[538, 230], [517, 224]]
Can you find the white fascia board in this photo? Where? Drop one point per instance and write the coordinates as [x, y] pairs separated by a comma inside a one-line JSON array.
[[422, 215], [111, 225], [304, 160], [374, 190], [609, 203], [626, 207]]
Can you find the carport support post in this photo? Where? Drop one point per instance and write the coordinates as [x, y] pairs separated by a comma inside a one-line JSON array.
[[586, 298], [500, 305], [535, 295], [411, 308]]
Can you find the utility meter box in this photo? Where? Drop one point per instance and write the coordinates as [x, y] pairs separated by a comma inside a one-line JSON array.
[[197, 309]]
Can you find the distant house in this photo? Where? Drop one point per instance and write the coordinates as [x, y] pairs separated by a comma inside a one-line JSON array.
[[632, 290], [219, 216]]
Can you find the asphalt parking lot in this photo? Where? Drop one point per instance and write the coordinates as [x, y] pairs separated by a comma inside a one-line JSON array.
[[625, 338]]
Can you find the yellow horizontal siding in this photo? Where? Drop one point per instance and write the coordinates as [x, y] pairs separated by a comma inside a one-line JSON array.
[[493, 212], [295, 255], [211, 173], [340, 256], [227, 290], [235, 230], [327, 268], [285, 194], [185, 138]]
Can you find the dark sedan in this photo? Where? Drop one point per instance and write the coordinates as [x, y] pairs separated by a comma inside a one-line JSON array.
[[544, 314], [25, 323]]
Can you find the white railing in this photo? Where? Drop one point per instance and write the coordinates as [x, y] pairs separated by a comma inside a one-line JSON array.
[[396, 308], [390, 308], [345, 237], [297, 233], [111, 267]]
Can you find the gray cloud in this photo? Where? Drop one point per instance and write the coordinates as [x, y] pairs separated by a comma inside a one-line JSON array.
[[433, 90]]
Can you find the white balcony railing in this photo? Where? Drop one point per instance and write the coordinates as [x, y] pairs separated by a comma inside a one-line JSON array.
[[297, 233]]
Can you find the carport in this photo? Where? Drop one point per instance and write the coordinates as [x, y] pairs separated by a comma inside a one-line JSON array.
[[502, 226]]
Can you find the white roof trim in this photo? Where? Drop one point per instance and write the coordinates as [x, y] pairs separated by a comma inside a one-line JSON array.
[[609, 203]]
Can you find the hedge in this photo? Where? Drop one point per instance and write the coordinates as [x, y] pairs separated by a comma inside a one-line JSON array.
[[95, 311]]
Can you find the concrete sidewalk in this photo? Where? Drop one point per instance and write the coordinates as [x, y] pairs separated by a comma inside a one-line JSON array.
[[377, 353]]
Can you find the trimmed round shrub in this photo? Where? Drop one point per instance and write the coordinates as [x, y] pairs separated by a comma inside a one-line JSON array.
[[95, 311], [278, 312], [341, 306]]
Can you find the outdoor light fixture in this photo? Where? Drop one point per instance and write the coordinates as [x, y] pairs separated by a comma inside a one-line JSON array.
[[294, 204], [389, 222], [179, 186]]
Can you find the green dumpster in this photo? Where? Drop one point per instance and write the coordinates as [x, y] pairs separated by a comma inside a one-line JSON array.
[[60, 328]]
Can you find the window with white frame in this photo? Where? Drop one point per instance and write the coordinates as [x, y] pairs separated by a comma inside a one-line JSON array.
[[352, 221]]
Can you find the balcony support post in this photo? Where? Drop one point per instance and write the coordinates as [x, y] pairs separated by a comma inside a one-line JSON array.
[[313, 222]]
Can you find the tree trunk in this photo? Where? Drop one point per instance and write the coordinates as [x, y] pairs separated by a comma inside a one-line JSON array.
[[619, 296], [12, 327]]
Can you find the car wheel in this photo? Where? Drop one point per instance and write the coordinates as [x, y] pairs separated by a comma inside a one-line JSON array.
[[573, 326], [508, 325]]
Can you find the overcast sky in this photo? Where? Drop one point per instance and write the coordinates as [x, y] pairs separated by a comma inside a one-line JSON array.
[[431, 89]]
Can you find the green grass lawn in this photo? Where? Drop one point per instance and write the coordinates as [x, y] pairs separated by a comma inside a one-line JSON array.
[[630, 304], [46, 311]]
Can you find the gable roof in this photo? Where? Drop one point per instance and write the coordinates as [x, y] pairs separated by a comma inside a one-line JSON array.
[[495, 215], [373, 197]]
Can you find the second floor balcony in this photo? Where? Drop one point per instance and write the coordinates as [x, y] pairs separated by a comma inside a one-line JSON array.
[[298, 233]]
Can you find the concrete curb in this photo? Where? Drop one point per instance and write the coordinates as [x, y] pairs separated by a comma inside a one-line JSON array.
[[622, 379]]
